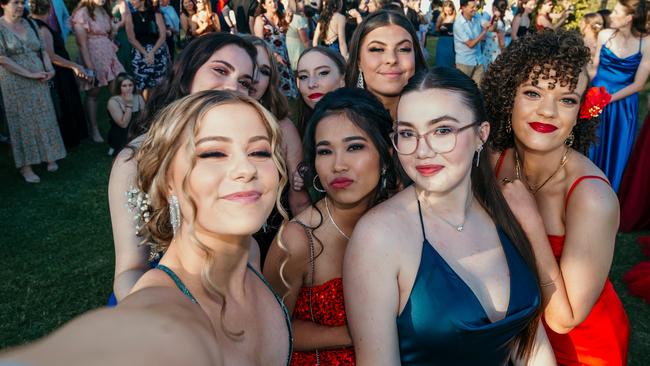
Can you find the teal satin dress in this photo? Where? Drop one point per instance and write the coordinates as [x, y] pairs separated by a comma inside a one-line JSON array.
[[443, 322]]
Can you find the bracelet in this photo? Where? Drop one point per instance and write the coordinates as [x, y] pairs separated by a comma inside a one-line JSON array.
[[551, 282]]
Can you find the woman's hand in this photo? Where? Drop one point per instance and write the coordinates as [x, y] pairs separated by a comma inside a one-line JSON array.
[[149, 58], [298, 182], [49, 75], [522, 204]]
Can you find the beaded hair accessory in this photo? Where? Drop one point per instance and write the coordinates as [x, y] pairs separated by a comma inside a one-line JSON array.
[[594, 103], [137, 202]]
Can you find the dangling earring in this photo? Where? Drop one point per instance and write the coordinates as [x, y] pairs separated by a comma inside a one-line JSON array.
[[569, 140], [265, 227], [478, 154], [509, 127], [315, 187], [174, 213], [382, 184], [360, 83]]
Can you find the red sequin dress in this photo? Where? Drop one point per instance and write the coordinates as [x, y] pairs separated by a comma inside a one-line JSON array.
[[329, 309], [602, 339]]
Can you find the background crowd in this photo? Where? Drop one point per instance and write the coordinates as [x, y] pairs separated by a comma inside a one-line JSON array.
[[291, 57]]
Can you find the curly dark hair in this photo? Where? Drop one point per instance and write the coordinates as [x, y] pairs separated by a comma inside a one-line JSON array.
[[534, 57]]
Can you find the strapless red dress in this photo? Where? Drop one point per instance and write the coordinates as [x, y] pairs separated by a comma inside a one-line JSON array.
[[328, 309], [602, 339]]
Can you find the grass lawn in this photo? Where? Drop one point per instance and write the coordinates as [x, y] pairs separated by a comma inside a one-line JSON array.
[[58, 251]]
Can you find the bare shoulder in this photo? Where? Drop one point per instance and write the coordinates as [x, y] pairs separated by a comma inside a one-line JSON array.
[[384, 224], [605, 34], [154, 278], [593, 193]]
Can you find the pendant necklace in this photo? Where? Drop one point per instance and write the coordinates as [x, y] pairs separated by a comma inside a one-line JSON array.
[[461, 226], [329, 214], [532, 188]]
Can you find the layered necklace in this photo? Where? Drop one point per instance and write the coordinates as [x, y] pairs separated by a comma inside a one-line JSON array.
[[535, 188], [329, 214]]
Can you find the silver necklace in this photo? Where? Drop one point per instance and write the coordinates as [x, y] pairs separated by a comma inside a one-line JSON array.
[[460, 226], [329, 214]]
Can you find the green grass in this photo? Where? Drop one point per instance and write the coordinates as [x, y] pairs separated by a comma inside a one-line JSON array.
[[57, 247]]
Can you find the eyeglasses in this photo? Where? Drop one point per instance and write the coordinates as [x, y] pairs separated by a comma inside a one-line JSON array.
[[441, 139]]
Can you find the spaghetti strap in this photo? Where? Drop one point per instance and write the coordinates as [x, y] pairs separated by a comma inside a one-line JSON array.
[[424, 235], [640, 43], [497, 168], [575, 184], [178, 282]]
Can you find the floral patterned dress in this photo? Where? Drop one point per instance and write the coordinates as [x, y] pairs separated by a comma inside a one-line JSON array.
[[103, 52], [34, 132], [275, 38]]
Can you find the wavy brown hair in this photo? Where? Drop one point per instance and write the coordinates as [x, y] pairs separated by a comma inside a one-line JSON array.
[[639, 10], [534, 57], [175, 128], [91, 6]]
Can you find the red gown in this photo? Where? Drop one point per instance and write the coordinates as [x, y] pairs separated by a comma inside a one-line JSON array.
[[602, 339], [328, 309]]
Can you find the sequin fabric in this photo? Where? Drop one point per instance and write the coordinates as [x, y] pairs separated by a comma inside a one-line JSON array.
[[329, 309]]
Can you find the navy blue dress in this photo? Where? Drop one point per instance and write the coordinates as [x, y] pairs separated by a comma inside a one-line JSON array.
[[443, 322]]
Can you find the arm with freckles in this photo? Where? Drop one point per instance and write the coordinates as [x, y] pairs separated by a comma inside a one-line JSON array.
[[308, 336], [298, 200], [370, 272], [571, 287], [641, 75]]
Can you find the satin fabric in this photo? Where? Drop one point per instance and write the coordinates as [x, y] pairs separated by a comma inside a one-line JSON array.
[[602, 339], [443, 322], [617, 126]]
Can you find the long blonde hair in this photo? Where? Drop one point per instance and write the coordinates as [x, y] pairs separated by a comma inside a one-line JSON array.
[[174, 129]]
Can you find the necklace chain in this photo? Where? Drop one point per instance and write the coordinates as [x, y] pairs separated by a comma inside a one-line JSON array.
[[532, 188], [460, 226], [329, 214]]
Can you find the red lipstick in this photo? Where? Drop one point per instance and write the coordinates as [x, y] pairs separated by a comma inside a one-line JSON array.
[[341, 183], [244, 196], [314, 96], [542, 127], [429, 170]]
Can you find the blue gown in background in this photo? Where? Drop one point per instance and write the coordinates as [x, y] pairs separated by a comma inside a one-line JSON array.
[[617, 127], [445, 54], [443, 322]]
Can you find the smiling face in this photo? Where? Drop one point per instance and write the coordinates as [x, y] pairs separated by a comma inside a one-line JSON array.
[[234, 182], [469, 10], [347, 162], [317, 76], [263, 75], [542, 118], [229, 68], [200, 5], [101, 3], [189, 6], [439, 111], [387, 60]]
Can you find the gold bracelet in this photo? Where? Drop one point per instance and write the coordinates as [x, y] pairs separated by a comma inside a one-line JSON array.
[[551, 282]]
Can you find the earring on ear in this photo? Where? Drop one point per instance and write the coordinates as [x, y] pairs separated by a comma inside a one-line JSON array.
[[321, 190], [509, 126], [569, 140], [360, 83], [174, 213], [478, 154], [383, 180]]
